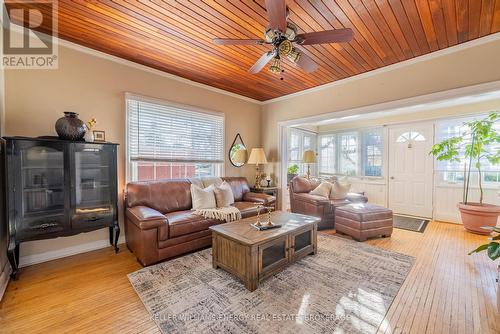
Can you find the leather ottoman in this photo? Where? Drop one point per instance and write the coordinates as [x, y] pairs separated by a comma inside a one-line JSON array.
[[362, 221]]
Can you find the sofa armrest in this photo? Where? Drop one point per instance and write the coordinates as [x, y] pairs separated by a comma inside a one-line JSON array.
[[145, 218], [357, 197], [260, 198]]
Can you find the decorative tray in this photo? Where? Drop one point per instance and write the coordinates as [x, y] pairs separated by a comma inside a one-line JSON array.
[[265, 226]]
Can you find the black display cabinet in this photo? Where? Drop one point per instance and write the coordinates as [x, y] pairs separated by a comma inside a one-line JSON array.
[[56, 188]]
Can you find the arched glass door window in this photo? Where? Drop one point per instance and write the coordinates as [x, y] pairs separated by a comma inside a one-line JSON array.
[[410, 136]]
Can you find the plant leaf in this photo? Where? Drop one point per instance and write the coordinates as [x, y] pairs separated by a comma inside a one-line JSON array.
[[494, 250], [480, 249]]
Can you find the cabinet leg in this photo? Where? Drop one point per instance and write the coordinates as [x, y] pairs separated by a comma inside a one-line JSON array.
[[117, 235], [13, 256], [111, 234]]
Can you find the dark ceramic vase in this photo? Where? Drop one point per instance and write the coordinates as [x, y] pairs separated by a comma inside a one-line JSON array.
[[70, 127]]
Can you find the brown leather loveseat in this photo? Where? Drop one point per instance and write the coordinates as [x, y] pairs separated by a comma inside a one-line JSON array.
[[159, 223], [301, 201]]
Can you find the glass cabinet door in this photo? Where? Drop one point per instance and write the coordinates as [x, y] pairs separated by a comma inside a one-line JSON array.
[[302, 243], [42, 169], [41, 201], [92, 184], [273, 254]]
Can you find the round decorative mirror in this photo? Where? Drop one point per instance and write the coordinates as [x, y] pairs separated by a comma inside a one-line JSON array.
[[238, 152]]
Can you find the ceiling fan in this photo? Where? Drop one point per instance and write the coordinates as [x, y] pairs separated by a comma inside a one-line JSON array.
[[285, 41]]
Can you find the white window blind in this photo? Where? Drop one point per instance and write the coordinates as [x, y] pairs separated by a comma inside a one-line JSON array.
[[174, 136]]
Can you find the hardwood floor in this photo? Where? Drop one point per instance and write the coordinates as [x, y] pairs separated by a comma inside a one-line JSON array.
[[447, 291]]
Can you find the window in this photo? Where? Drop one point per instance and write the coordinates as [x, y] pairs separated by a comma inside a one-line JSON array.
[[373, 146], [348, 158], [410, 136], [355, 153], [327, 152], [170, 141], [453, 172], [300, 141]]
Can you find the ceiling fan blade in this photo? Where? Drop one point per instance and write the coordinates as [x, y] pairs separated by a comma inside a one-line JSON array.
[[327, 36], [276, 10], [230, 41], [259, 64], [306, 63]]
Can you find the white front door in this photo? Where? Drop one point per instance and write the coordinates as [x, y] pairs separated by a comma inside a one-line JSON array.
[[411, 169]]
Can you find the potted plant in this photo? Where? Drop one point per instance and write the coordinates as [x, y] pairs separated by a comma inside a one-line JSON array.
[[493, 251], [292, 172], [477, 140]]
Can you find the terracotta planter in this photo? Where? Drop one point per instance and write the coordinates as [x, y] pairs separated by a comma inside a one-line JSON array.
[[475, 215], [498, 290]]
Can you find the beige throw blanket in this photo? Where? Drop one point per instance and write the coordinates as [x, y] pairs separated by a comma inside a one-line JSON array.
[[227, 214]]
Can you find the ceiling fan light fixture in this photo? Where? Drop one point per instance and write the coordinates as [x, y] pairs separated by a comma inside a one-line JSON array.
[[275, 66], [269, 35], [291, 31], [285, 47], [293, 55]]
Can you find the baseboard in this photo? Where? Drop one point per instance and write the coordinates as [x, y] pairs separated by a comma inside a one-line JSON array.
[[29, 260], [447, 218], [4, 278]]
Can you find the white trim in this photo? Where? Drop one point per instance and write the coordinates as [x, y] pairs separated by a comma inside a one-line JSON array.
[[392, 67], [29, 260], [422, 101], [143, 98], [167, 103], [4, 278]]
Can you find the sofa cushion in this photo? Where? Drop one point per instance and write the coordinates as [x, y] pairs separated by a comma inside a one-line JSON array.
[[239, 186], [162, 195], [185, 222], [248, 209]]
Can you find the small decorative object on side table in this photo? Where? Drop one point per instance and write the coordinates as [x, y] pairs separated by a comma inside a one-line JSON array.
[[267, 190]]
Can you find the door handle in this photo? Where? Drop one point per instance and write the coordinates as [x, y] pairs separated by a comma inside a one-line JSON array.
[[392, 177]]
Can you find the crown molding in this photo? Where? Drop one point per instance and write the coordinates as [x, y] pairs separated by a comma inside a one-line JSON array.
[[452, 49]]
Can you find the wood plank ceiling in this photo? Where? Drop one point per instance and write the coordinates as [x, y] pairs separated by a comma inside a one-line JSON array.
[[176, 36]]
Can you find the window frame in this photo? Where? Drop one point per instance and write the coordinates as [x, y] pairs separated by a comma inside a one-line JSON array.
[[302, 133], [361, 147], [441, 173], [140, 98]]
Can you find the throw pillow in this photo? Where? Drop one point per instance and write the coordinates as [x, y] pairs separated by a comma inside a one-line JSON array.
[[203, 198], [224, 195], [339, 190], [322, 190]]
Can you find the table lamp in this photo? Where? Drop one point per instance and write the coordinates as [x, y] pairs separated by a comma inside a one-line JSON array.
[[257, 157], [309, 158]]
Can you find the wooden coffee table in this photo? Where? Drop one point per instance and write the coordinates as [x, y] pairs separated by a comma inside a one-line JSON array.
[[253, 255]]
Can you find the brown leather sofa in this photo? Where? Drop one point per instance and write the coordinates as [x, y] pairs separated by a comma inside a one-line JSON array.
[[303, 202], [159, 223]]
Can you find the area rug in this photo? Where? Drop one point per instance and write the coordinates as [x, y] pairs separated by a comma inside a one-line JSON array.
[[347, 287], [410, 223]]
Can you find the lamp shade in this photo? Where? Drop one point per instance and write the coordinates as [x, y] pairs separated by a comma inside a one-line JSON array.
[[240, 156], [309, 157], [257, 156]]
